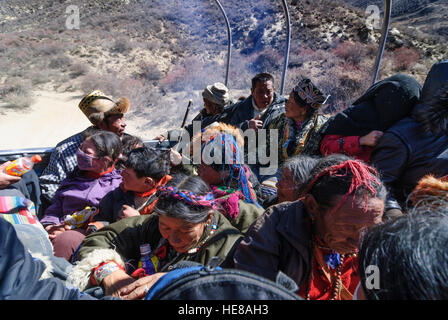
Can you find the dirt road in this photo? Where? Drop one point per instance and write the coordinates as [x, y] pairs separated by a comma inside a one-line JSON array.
[[52, 117]]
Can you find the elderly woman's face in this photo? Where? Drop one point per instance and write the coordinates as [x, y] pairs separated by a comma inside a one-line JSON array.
[[341, 230], [286, 188], [181, 235]]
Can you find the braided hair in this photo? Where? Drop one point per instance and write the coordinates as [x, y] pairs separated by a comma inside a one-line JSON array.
[[185, 197]]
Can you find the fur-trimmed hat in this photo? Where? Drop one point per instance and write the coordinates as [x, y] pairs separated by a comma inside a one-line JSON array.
[[430, 192], [96, 106], [218, 128]]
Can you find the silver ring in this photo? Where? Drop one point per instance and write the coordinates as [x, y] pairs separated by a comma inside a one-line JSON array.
[[146, 288]]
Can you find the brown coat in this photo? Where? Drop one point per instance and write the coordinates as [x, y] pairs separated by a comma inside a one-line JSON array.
[[279, 240]]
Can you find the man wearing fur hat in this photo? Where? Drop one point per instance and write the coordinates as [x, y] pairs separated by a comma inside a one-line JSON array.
[[418, 144], [105, 114]]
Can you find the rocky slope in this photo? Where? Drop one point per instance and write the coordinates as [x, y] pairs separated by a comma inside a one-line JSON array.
[[161, 54]]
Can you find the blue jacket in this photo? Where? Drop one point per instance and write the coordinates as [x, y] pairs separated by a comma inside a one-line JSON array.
[[20, 273]]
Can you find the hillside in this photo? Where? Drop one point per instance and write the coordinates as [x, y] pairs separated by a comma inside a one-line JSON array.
[[161, 54], [426, 18]]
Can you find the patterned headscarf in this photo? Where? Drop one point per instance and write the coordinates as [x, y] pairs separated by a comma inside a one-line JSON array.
[[306, 93], [231, 163], [187, 196]]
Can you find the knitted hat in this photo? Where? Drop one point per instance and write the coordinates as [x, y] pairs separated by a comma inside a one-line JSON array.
[[96, 105], [306, 93], [217, 93]]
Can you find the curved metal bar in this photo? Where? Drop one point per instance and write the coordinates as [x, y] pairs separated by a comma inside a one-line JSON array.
[[229, 38], [384, 33], [288, 44]]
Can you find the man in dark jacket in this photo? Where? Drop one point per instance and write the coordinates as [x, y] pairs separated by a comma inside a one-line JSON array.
[[217, 101], [257, 111], [417, 145], [22, 275]]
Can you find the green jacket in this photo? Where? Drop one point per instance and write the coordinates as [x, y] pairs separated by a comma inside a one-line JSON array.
[[126, 236], [248, 213]]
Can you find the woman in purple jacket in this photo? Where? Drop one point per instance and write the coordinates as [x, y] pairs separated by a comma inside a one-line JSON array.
[[93, 178]]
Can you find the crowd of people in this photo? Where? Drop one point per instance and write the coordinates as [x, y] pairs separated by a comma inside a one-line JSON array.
[[356, 209]]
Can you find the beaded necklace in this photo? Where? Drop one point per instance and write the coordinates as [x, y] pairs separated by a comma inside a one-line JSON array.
[[336, 283], [212, 231]]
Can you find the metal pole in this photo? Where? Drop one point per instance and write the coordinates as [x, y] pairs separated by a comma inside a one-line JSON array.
[[288, 44], [384, 33], [229, 40]]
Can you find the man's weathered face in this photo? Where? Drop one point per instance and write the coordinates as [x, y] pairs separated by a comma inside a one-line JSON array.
[[212, 108], [115, 123], [263, 94]]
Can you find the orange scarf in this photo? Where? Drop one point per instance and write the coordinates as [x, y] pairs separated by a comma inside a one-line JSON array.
[[95, 175], [148, 209]]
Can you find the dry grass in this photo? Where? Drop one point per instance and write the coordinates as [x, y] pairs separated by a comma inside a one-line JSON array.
[[17, 94]]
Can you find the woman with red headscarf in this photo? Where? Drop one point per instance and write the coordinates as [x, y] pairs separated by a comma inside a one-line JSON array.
[[315, 240]]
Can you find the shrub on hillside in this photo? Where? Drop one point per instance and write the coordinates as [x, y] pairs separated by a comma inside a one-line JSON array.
[[78, 69], [121, 45], [59, 62], [266, 61], [150, 71], [17, 93], [192, 74], [350, 51], [404, 58], [48, 47]]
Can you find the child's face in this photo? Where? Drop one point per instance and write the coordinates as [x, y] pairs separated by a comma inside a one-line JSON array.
[[133, 183]]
